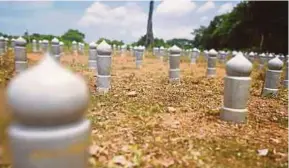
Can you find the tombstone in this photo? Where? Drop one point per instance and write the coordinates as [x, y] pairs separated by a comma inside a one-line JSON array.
[[49, 130], [174, 62], [92, 57], [194, 56], [45, 45], [12, 43], [104, 51], [40, 45], [155, 50], [74, 47], [61, 45], [134, 51], [138, 57], [206, 54], [20, 55], [55, 49], [222, 58], [251, 57], [262, 60], [2, 45], [6, 41], [123, 50], [272, 78], [236, 89], [285, 82], [34, 46], [212, 58]]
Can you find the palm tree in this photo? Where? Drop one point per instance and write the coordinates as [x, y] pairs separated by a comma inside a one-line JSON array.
[[150, 36]]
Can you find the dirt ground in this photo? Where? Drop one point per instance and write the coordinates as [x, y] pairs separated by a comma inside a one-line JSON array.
[[146, 122]]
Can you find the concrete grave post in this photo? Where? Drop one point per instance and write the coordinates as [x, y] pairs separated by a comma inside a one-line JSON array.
[[55, 49], [74, 47], [194, 56], [2, 45], [272, 78], [49, 128], [45, 44], [174, 64], [285, 82], [236, 91], [212, 58], [104, 51], [34, 46], [20, 55], [262, 60], [92, 57]]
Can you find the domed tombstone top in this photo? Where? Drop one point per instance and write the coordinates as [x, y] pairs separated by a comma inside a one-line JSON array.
[[251, 54], [271, 55], [74, 42], [34, 41], [45, 41], [13, 39], [6, 39], [195, 50], [275, 64], [175, 50], [61, 43], [142, 48], [222, 52], [1, 38], [47, 94], [262, 55], [55, 41], [162, 48], [213, 52], [20, 41], [234, 52], [103, 48], [123, 46], [92, 45], [239, 66]]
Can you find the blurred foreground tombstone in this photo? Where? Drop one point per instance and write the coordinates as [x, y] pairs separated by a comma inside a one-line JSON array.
[[272, 78], [104, 51], [138, 57], [48, 129], [236, 92], [20, 55], [74, 47], [212, 60], [92, 63], [174, 60]]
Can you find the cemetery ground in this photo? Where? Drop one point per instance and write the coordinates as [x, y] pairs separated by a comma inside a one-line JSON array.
[[146, 122]]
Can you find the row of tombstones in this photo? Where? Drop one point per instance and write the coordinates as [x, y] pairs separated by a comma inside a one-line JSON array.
[[48, 102]]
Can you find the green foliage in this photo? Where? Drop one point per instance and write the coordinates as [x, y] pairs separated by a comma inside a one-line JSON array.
[[110, 42], [250, 26], [73, 35]]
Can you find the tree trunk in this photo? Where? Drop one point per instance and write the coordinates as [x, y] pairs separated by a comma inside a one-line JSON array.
[[149, 35]]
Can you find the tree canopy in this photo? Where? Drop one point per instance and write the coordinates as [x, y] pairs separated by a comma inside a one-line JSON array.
[[254, 25]]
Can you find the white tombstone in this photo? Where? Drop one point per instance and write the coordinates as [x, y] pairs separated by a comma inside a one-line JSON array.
[[20, 55], [92, 57], [49, 129], [212, 58], [236, 91], [174, 64], [272, 78], [104, 51]]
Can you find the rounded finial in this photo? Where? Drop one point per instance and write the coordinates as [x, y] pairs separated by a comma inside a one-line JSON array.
[[251, 54], [162, 48], [262, 55], [175, 50], [73, 42], [213, 52], [45, 41], [47, 94], [92, 45], [239, 66], [34, 41], [104, 48], [195, 50], [1, 38], [20, 41], [61, 43], [275, 64], [55, 41]]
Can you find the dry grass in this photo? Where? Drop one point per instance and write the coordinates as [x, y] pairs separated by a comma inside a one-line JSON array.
[[166, 125]]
